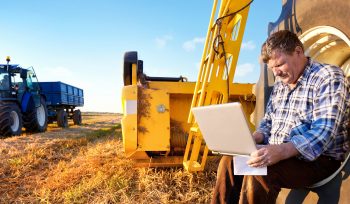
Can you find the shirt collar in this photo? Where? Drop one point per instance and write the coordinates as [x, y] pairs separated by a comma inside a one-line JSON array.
[[306, 71]]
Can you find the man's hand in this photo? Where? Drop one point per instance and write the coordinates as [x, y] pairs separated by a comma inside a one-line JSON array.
[[271, 154]]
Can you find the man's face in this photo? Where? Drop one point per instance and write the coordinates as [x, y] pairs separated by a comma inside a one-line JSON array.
[[286, 67]]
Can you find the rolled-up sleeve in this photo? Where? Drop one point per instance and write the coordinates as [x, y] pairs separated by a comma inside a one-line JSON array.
[[329, 108]]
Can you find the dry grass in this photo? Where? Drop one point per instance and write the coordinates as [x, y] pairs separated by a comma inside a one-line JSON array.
[[86, 164]]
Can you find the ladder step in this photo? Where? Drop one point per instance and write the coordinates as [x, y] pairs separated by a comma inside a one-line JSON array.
[[195, 166], [194, 129], [206, 59]]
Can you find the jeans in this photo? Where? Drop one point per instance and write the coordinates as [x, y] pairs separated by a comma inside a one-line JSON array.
[[289, 173]]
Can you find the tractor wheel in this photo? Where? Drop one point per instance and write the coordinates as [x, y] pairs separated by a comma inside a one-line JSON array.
[[77, 117], [37, 118], [129, 59], [62, 119], [323, 27], [10, 119], [301, 16]]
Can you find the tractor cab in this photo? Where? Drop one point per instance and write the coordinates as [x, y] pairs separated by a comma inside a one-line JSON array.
[[15, 81], [8, 85]]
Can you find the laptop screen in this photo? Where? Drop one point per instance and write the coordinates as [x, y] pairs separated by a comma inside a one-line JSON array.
[[225, 129]]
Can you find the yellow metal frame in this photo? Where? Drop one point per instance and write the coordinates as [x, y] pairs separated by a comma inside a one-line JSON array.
[[129, 120], [213, 85]]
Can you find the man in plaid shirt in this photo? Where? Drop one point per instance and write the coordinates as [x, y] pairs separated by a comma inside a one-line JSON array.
[[304, 127]]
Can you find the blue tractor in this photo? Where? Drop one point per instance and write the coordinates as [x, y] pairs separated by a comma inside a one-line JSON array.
[[21, 101]]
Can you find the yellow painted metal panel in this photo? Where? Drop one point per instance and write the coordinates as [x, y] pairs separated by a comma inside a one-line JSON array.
[[173, 87], [241, 89], [129, 134], [154, 120], [134, 74], [129, 93], [180, 105], [129, 120], [181, 92]]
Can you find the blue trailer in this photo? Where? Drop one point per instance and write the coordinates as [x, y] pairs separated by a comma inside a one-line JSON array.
[[27, 103], [61, 102]]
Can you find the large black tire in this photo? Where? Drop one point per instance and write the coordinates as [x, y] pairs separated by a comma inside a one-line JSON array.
[[77, 119], [129, 59], [36, 118], [62, 118], [10, 119], [300, 15]]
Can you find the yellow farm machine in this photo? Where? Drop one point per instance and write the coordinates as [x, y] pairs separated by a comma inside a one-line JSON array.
[[157, 125]]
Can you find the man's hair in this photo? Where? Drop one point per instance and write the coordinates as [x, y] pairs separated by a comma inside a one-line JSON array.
[[283, 41]]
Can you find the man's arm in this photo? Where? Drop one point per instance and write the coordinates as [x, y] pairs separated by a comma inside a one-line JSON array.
[[330, 105]]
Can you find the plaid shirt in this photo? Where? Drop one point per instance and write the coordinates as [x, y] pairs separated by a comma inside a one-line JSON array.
[[313, 115]]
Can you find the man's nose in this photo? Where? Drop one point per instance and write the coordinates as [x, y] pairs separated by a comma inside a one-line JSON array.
[[277, 72]]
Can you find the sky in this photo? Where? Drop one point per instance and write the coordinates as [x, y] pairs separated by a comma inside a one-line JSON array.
[[82, 42]]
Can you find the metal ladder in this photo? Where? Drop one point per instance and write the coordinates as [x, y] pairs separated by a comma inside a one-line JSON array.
[[218, 65]]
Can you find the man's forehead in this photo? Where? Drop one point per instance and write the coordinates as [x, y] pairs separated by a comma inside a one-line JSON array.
[[276, 54], [276, 58]]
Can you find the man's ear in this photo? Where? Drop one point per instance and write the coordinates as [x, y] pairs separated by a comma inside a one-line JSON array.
[[299, 50]]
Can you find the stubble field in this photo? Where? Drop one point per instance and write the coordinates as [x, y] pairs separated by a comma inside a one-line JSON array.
[[86, 164]]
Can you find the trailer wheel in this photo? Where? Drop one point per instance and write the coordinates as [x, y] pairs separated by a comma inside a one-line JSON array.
[[62, 119], [77, 117], [10, 119], [36, 119]]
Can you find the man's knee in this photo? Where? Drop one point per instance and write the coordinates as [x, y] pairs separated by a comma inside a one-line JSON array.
[[225, 165], [225, 172]]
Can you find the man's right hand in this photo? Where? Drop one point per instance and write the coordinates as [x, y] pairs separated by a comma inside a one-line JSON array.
[[271, 154]]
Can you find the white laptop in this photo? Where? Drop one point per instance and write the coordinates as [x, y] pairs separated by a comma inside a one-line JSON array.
[[225, 129]]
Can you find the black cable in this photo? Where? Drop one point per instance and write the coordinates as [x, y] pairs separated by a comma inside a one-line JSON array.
[[218, 37], [234, 13]]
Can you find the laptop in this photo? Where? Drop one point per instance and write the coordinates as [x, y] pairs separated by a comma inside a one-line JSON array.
[[225, 129]]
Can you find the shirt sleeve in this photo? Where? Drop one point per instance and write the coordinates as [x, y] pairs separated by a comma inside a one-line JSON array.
[[329, 108], [266, 122]]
